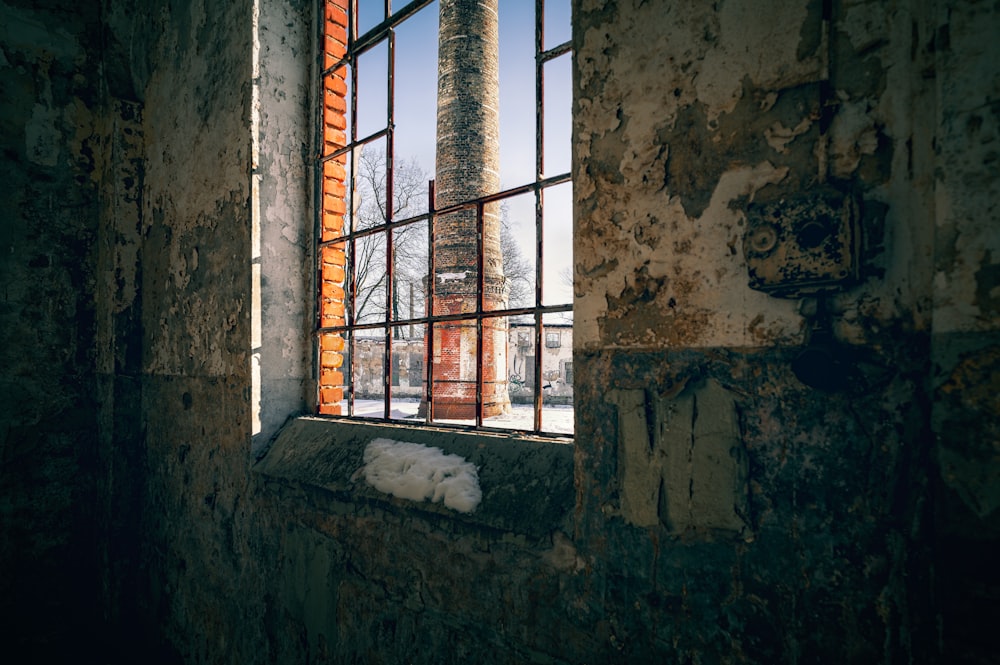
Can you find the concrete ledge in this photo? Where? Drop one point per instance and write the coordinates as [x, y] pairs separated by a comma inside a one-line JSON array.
[[527, 483]]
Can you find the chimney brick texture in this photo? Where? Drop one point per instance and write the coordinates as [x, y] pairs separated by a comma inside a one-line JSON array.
[[468, 167]]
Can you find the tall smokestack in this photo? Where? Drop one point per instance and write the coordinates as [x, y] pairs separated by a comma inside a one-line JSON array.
[[468, 167]]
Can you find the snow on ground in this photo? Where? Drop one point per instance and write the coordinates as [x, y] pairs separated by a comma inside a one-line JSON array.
[[555, 418], [417, 472]]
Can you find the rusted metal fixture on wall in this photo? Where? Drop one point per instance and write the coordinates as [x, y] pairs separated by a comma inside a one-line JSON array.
[[808, 246]]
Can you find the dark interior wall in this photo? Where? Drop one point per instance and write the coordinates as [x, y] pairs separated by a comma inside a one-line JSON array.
[[126, 238], [965, 346], [50, 99], [720, 509]]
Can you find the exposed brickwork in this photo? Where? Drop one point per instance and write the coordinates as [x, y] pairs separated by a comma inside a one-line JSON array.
[[332, 259], [134, 520]]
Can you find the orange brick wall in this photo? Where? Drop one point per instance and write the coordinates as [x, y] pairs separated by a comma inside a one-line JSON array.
[[332, 258]]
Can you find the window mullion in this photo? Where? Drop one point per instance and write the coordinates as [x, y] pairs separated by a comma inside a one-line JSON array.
[[539, 89], [390, 260], [539, 216], [480, 290], [352, 60], [539, 349], [431, 283]]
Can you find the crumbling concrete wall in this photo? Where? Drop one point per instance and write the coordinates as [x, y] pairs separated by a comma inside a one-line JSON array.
[[718, 509], [281, 250], [679, 137], [195, 286]]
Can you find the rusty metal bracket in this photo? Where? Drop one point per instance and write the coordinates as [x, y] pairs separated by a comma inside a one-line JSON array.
[[803, 245]]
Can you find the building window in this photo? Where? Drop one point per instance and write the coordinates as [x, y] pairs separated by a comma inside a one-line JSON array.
[[444, 211], [552, 340]]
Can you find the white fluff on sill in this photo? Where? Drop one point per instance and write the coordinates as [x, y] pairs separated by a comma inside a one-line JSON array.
[[417, 472]]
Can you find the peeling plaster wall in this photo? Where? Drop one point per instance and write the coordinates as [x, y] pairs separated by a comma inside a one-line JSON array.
[[196, 291], [717, 509], [679, 135], [685, 118]]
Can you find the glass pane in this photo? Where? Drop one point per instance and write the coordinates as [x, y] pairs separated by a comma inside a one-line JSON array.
[[557, 288], [496, 401], [558, 115], [557, 414], [332, 214], [494, 258], [351, 192], [369, 185], [369, 279], [558, 320], [408, 373], [517, 94], [557, 386], [346, 375], [409, 188], [518, 248], [416, 105], [368, 373], [373, 73], [453, 357], [520, 352], [557, 23], [332, 353], [370, 14], [410, 272], [333, 263]]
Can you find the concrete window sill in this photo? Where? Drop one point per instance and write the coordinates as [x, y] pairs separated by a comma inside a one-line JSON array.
[[527, 483]]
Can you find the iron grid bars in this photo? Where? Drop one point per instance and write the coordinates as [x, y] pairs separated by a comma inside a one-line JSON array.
[[416, 320]]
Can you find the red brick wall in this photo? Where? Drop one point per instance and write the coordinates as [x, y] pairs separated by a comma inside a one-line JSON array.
[[332, 258]]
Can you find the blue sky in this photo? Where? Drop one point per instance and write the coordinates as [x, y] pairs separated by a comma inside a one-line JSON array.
[[415, 104]]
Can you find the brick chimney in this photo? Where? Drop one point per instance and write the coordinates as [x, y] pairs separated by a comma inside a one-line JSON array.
[[468, 167]]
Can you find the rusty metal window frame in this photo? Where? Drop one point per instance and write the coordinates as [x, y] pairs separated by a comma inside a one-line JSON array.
[[384, 32]]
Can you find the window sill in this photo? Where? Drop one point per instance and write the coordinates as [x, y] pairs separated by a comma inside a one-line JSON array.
[[527, 483]]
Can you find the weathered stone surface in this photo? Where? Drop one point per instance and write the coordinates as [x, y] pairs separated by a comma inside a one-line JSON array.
[[527, 485], [858, 523], [681, 458]]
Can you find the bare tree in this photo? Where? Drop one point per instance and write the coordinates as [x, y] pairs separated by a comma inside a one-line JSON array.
[[409, 243], [566, 276], [369, 210], [519, 272]]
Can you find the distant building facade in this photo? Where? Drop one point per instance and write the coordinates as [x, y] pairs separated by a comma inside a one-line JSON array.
[[556, 357], [408, 372]]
